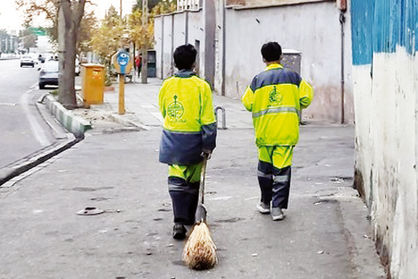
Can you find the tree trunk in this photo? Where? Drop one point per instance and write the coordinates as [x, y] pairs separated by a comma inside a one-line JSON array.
[[67, 95], [144, 70], [68, 25]]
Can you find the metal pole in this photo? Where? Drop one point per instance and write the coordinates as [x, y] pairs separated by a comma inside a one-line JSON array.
[[186, 28], [342, 20], [120, 9], [144, 62], [223, 46], [121, 94], [162, 46]]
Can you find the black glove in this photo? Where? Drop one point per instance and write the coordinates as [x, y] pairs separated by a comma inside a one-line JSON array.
[[206, 153]]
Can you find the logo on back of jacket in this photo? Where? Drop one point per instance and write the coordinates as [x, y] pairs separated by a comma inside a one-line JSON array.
[[175, 110], [275, 98]]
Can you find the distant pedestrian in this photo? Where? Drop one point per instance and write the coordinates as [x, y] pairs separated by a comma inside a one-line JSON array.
[[189, 130], [138, 64], [275, 97]]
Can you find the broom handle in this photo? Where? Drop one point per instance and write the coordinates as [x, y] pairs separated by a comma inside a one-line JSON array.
[[202, 179]]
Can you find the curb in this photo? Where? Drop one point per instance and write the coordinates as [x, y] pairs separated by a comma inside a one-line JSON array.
[[10, 172], [74, 124]]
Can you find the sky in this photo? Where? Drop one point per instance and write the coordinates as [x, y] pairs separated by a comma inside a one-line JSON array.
[[12, 19]]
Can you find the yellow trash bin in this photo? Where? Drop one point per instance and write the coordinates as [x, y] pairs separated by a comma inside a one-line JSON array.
[[93, 81]]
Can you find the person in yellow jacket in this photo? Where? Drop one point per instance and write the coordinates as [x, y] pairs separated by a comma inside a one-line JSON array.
[[275, 98], [189, 130]]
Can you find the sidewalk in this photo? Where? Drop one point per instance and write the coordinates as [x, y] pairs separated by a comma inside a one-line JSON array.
[[142, 101], [326, 233]]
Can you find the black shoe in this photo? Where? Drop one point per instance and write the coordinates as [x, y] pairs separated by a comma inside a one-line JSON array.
[[179, 232]]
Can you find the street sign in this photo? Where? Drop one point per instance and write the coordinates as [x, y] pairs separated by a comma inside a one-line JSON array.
[[38, 31], [122, 62]]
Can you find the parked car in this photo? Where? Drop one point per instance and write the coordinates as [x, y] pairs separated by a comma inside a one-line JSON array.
[[48, 74], [27, 60]]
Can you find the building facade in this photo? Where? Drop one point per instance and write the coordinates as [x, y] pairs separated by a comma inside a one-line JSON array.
[[385, 85], [229, 38]]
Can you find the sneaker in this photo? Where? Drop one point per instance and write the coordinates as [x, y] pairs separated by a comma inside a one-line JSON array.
[[263, 208], [179, 231], [277, 214]]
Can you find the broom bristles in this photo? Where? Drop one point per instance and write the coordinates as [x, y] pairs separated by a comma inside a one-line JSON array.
[[200, 250]]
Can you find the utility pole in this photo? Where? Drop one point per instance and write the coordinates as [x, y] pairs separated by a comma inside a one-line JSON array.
[[144, 52], [120, 8]]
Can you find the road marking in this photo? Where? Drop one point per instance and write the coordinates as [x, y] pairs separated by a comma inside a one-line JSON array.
[[34, 86], [8, 104], [36, 128]]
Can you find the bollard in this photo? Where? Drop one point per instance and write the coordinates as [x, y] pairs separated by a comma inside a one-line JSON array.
[[223, 117]]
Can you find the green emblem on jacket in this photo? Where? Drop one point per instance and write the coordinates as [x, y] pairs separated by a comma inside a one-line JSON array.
[[175, 110], [275, 97]]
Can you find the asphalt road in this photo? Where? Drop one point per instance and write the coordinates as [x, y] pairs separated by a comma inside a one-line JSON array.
[[22, 130]]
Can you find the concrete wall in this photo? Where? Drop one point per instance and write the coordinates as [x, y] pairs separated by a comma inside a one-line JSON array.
[[167, 55], [219, 46], [385, 76], [173, 30], [179, 29], [158, 44], [197, 33], [313, 29]]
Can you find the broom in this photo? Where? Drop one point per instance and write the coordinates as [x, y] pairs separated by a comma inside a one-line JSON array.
[[200, 250]]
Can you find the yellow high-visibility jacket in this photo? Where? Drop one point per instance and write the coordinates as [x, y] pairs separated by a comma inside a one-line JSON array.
[[275, 97], [185, 102]]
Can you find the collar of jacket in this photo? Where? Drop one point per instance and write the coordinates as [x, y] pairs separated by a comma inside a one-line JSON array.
[[274, 66], [185, 73]]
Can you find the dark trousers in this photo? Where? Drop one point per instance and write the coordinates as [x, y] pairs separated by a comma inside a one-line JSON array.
[[274, 184], [184, 196]]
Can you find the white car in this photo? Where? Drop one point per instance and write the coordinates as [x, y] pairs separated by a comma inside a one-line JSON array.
[[48, 74], [27, 60]]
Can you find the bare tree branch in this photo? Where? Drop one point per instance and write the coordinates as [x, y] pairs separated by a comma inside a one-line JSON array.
[[79, 12]]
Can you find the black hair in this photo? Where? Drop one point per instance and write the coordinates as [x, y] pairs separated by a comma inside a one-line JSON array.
[[184, 57], [271, 51]]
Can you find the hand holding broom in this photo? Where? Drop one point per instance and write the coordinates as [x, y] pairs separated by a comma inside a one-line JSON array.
[[200, 250]]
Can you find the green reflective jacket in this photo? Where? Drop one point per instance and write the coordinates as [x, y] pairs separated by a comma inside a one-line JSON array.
[[275, 97]]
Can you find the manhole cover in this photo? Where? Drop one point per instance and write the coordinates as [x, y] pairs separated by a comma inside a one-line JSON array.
[[90, 211]]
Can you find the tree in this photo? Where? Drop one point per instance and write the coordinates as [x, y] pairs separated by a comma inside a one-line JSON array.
[[142, 27], [109, 37], [65, 18], [69, 18], [164, 7], [151, 4], [28, 38], [87, 26]]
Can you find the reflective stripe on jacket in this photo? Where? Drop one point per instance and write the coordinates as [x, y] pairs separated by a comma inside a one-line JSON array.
[[185, 102], [275, 97]]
